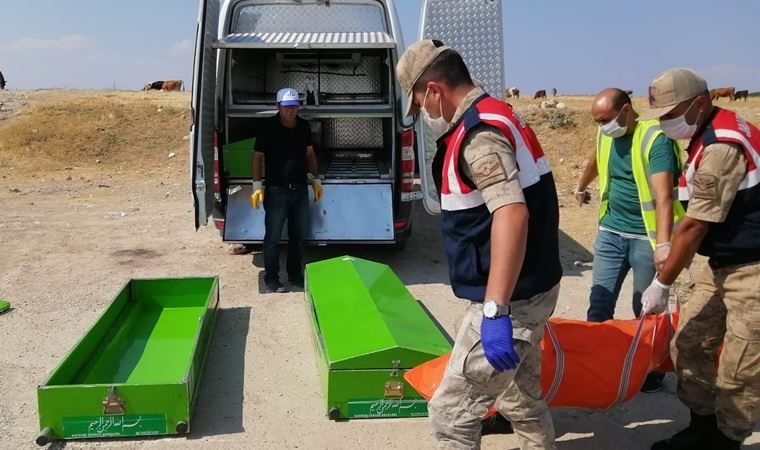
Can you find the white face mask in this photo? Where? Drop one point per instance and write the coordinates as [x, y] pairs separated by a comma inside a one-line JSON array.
[[678, 127], [613, 129], [439, 125]]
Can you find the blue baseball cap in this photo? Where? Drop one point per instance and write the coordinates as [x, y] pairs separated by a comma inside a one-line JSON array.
[[288, 97]]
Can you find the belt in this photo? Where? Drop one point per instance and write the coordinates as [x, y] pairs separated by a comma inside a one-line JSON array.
[[291, 186]]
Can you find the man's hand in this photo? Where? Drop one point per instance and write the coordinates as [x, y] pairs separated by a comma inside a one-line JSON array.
[[496, 338], [661, 252], [655, 298], [258, 194], [582, 197], [316, 184]]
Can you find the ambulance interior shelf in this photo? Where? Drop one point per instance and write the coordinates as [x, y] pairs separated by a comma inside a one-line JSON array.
[[348, 149], [323, 77]]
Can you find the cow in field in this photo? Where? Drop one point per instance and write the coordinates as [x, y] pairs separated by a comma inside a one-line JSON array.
[[540, 94], [629, 92], [153, 86], [169, 85], [173, 85], [741, 95], [554, 92], [2, 81], [723, 92], [513, 92]]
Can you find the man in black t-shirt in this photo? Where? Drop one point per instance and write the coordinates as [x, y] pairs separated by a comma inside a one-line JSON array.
[[284, 149]]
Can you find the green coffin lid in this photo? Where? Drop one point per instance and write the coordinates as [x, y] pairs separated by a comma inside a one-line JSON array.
[[368, 319]]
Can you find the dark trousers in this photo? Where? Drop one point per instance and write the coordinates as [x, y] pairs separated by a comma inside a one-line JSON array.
[[281, 204]]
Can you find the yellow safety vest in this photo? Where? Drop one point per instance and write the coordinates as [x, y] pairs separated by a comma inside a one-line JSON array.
[[643, 140]]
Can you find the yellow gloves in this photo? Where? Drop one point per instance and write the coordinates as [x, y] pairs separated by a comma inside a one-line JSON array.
[[257, 198], [258, 194], [316, 184]]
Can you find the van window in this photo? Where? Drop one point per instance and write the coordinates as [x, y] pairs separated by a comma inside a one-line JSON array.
[[310, 18]]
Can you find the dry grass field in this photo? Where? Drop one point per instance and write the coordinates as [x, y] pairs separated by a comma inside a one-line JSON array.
[[110, 131], [94, 188], [133, 132]]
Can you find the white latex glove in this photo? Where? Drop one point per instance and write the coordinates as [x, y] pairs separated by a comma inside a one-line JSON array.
[[582, 197], [655, 298]]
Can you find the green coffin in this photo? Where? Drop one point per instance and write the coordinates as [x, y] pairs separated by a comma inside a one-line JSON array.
[[136, 371], [368, 331]]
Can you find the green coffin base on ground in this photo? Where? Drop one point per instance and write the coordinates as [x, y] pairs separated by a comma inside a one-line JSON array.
[[136, 372], [368, 331]]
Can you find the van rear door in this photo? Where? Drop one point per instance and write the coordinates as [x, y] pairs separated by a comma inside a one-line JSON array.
[[342, 50], [473, 28], [202, 129]]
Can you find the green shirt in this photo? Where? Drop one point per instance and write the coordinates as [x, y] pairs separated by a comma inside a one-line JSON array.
[[624, 210]]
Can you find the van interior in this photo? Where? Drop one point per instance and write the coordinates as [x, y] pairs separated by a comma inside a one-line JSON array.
[[346, 96]]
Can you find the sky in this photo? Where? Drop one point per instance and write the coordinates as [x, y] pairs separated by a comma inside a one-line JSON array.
[[576, 46]]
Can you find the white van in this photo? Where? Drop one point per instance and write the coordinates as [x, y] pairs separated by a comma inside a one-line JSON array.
[[341, 55]]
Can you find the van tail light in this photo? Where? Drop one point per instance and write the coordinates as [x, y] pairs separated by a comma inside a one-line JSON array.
[[407, 160], [217, 180]]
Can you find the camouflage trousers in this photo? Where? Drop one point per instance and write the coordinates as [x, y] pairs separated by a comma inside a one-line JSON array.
[[471, 386], [723, 309]]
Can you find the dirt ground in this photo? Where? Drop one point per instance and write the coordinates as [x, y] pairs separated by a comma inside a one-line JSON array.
[[73, 233]]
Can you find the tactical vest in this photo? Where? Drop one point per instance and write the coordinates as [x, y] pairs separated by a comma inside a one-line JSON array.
[[466, 221], [737, 239]]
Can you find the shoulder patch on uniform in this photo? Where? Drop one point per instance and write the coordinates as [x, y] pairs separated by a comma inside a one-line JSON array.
[[488, 170], [705, 186], [471, 118]]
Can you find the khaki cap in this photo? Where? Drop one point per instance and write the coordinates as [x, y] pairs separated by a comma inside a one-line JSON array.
[[413, 63], [671, 88]]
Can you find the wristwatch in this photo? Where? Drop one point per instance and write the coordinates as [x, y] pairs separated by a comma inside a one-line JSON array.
[[492, 310]]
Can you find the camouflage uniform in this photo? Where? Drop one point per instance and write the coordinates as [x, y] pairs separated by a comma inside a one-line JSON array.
[[471, 385], [723, 309]]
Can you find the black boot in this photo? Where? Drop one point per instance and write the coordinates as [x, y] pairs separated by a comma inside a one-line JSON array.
[[694, 437], [719, 441], [496, 424]]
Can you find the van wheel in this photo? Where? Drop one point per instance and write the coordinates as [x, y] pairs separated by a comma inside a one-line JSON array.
[[399, 246]]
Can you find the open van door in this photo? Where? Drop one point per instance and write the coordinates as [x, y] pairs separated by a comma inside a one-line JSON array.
[[474, 28], [202, 129]]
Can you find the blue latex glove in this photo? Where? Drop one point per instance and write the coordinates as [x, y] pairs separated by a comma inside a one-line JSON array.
[[496, 337]]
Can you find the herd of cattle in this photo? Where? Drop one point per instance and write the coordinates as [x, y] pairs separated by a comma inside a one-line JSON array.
[[513, 92], [169, 85], [715, 94], [729, 92]]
